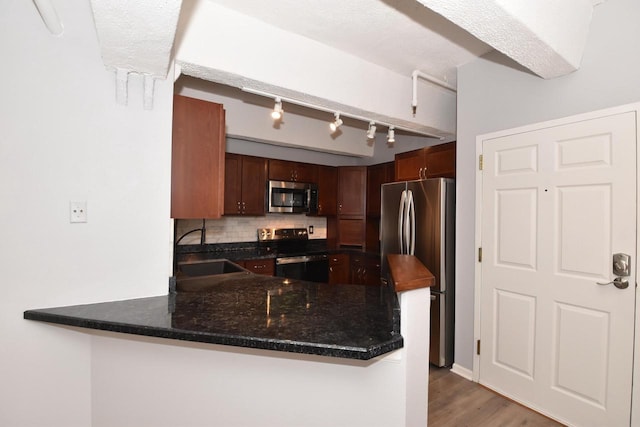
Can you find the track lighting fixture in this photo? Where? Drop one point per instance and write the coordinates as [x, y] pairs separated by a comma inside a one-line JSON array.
[[371, 133], [391, 136], [336, 123], [277, 112]]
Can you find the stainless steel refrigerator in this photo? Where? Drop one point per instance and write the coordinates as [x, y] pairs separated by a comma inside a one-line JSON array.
[[418, 218]]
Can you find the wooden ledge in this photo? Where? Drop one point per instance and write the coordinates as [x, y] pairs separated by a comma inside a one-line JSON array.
[[407, 272]]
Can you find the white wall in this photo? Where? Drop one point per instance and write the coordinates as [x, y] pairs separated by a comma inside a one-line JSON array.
[[151, 382], [62, 138], [494, 93]]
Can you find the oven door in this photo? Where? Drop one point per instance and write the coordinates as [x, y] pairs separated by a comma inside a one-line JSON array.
[[312, 268]]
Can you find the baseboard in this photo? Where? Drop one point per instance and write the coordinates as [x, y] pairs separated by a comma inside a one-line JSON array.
[[463, 372]]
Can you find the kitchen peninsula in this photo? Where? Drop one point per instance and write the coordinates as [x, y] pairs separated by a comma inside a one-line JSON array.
[[240, 380]]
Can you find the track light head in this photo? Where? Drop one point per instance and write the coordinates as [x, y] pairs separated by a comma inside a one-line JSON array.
[[391, 136], [277, 112], [336, 123], [371, 133]]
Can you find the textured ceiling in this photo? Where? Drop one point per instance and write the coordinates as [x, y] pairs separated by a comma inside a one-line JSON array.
[[400, 35]]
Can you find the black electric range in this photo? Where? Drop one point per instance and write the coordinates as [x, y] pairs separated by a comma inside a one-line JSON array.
[[294, 259]]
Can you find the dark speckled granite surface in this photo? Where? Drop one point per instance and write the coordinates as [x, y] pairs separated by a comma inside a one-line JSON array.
[[248, 310]]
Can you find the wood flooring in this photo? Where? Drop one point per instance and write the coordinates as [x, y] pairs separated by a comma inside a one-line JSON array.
[[457, 402]]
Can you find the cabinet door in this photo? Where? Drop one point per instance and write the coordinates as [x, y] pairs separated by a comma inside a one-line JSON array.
[[440, 161], [352, 187], [327, 190], [409, 165], [358, 269], [339, 270], [306, 172], [372, 276], [260, 266], [254, 185], [351, 232], [281, 170], [232, 184], [376, 176], [197, 159]]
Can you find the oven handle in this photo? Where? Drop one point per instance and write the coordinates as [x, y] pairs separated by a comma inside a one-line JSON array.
[[300, 259]]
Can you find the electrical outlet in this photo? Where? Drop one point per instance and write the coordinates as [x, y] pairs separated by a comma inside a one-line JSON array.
[[77, 212], [311, 229]]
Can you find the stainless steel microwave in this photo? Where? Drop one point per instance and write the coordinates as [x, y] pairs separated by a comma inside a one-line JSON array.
[[292, 197]]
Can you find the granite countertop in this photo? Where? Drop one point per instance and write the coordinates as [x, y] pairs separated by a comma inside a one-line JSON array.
[[255, 311], [255, 250]]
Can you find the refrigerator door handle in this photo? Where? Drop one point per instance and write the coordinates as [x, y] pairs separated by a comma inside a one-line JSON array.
[[411, 220], [401, 208]]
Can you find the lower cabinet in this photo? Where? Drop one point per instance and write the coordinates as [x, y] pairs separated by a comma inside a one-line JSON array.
[[358, 269], [355, 268], [339, 269], [259, 266], [372, 276]]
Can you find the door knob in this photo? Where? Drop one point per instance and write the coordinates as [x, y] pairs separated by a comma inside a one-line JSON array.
[[617, 282]]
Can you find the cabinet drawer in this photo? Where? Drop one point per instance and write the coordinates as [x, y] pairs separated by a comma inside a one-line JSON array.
[[260, 266]]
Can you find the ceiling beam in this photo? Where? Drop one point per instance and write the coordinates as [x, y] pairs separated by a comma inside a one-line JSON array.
[[546, 36]]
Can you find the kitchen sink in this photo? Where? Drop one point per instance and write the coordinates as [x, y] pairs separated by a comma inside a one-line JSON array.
[[208, 268]]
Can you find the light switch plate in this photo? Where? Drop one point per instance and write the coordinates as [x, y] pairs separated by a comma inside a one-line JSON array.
[[78, 212]]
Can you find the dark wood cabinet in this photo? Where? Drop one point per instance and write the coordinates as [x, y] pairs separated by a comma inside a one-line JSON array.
[[283, 170], [245, 185], [352, 191], [339, 269], [351, 231], [376, 176], [327, 190], [358, 269], [372, 275], [352, 185], [197, 159], [438, 161], [260, 266]]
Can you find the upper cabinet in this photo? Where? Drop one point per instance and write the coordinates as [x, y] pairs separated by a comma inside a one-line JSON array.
[[327, 190], [352, 195], [376, 176], [197, 159], [282, 170], [352, 188], [245, 185], [438, 161]]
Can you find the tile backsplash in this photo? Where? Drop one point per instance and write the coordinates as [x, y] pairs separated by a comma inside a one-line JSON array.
[[234, 229]]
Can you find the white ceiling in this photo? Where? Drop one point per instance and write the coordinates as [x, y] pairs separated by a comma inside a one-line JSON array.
[[400, 35]]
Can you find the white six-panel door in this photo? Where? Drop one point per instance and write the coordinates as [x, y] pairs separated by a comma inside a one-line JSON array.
[[557, 203]]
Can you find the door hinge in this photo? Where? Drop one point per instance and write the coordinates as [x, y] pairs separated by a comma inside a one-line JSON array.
[[478, 347], [480, 162], [479, 254]]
